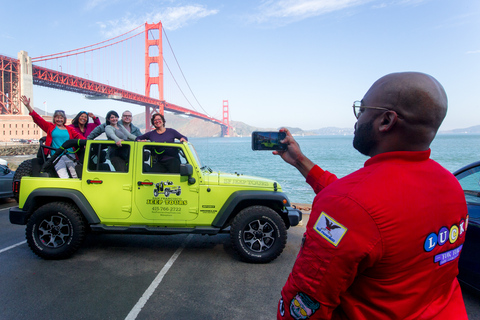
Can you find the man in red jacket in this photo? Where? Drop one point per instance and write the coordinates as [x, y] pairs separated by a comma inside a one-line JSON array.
[[384, 241]]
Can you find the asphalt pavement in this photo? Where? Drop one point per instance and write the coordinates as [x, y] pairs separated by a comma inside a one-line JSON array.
[[145, 277]]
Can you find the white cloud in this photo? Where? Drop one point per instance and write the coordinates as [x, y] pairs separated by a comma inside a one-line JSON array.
[[94, 4], [301, 9], [171, 17], [176, 17], [411, 2], [473, 52], [6, 36]]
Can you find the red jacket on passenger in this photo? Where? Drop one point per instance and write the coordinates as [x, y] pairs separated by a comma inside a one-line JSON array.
[[48, 128]]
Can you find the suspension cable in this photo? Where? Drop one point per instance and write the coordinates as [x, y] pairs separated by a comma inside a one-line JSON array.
[[182, 72], [92, 45]]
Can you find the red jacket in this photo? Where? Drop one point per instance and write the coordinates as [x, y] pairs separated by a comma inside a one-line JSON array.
[[48, 128], [381, 243]]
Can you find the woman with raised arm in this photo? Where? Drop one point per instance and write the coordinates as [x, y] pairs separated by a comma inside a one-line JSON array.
[[81, 125], [57, 134]]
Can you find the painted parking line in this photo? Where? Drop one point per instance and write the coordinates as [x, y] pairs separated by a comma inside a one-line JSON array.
[[13, 246], [153, 286]]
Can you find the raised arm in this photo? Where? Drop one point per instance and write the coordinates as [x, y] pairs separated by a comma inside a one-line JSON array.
[[96, 121], [294, 156], [26, 102]]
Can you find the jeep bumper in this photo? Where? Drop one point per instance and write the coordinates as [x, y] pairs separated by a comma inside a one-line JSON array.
[[294, 216], [18, 216]]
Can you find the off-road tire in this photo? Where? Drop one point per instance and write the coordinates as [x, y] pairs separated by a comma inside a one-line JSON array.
[[258, 234], [55, 230], [25, 169]]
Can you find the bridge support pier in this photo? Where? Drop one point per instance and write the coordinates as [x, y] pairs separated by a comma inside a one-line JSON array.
[[153, 62], [226, 120], [26, 79]]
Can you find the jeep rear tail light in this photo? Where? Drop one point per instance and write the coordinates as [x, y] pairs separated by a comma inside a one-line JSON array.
[[16, 186]]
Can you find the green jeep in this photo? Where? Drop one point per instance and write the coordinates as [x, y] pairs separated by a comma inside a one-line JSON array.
[[147, 188]]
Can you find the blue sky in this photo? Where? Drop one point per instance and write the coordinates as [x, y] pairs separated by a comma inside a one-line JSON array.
[[298, 63]]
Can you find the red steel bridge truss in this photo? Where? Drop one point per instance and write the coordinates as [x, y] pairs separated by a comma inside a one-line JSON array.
[[47, 77]]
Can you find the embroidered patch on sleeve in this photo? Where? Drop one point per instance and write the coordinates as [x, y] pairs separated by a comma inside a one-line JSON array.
[[302, 306], [330, 229]]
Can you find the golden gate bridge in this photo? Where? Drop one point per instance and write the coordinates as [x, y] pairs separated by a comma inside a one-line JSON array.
[[90, 69]]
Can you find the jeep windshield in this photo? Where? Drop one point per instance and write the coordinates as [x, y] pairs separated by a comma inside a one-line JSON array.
[[195, 155]]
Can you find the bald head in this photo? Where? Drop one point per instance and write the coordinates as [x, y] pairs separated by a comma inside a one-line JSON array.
[[418, 97], [420, 102]]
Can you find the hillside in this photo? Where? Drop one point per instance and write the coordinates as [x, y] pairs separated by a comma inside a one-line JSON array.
[[193, 127]]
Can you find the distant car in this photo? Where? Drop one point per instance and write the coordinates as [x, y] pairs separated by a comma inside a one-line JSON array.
[[4, 162], [6, 179], [469, 263]]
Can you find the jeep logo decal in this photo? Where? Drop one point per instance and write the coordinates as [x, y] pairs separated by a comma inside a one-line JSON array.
[[166, 188]]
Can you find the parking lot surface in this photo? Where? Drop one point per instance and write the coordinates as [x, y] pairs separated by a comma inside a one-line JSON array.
[[145, 277]]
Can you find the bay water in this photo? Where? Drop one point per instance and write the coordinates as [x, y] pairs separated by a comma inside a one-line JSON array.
[[333, 153]]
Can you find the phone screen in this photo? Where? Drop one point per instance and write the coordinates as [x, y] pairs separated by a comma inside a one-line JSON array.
[[268, 140]]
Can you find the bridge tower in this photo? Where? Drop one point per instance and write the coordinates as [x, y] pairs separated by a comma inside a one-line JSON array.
[[226, 119], [153, 62]]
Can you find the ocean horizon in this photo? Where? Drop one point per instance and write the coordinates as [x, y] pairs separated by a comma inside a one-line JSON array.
[[333, 153]]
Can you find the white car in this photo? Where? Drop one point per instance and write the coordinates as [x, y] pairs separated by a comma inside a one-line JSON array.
[[3, 162]]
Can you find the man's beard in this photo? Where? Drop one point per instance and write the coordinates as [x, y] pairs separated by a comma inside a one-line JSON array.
[[364, 139]]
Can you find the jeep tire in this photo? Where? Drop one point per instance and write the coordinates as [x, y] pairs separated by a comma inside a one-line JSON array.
[[258, 234], [24, 169], [55, 230]]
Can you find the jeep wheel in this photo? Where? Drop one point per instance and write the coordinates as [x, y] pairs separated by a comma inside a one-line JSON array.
[[258, 234], [25, 169], [55, 230]]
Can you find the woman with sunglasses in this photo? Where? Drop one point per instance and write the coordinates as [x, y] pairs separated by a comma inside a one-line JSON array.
[[57, 134], [80, 123]]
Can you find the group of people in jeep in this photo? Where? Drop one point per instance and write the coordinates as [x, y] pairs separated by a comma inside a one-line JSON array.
[[117, 130]]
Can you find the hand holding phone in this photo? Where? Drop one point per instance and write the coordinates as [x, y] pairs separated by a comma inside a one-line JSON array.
[[268, 140]]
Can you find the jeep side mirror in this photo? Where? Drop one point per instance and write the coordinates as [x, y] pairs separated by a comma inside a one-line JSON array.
[[186, 169]]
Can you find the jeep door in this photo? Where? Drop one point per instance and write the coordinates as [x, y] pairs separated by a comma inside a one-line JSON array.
[[161, 193], [107, 179]]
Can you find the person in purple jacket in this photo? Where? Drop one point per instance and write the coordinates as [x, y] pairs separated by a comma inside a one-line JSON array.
[[166, 158], [81, 125]]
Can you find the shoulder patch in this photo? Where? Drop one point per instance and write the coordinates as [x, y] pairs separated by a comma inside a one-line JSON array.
[[329, 229]]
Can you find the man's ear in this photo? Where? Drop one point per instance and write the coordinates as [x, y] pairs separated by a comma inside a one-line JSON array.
[[387, 121]]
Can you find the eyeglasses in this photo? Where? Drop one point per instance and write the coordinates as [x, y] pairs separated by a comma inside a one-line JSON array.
[[358, 109], [126, 115]]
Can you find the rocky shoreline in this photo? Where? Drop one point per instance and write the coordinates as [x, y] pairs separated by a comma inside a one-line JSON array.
[[8, 150], [304, 207], [17, 153]]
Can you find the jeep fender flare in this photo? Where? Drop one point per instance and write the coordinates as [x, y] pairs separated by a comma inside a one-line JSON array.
[[245, 198], [54, 194]]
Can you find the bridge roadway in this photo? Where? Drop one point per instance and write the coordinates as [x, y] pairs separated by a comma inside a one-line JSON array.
[[110, 276]]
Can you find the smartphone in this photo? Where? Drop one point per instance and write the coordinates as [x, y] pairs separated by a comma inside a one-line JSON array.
[[268, 140]]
